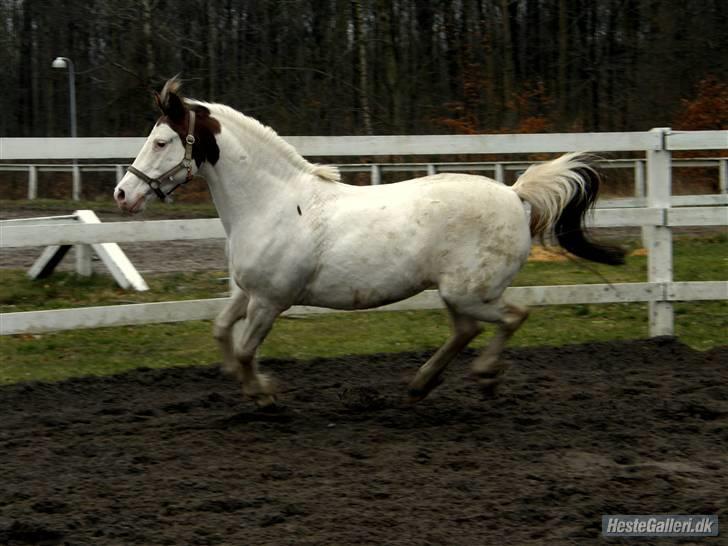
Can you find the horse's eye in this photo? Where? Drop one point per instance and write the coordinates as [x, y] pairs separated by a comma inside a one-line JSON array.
[[161, 143]]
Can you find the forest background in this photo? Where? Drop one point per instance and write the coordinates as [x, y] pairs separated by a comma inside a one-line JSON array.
[[337, 67]]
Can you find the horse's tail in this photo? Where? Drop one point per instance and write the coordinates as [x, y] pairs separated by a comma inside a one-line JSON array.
[[560, 193]]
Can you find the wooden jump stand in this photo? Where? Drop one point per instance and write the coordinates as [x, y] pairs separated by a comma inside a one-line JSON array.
[[121, 269]]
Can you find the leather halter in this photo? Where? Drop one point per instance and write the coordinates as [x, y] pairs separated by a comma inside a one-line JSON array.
[[155, 184]]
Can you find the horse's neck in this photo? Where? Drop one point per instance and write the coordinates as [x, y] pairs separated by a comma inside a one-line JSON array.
[[252, 189]]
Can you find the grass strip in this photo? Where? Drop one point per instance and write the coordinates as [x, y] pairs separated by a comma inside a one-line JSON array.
[[112, 350]]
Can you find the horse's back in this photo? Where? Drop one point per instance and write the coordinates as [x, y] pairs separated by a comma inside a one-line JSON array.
[[451, 204]]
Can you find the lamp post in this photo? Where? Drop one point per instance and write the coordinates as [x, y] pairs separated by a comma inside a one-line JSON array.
[[83, 252], [63, 63]]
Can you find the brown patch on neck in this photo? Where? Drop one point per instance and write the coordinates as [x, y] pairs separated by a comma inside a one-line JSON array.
[[206, 127]]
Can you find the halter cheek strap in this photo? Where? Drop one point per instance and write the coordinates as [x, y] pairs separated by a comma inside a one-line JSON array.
[[155, 184]]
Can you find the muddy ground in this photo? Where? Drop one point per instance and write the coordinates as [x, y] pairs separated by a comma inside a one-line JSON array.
[[176, 457]]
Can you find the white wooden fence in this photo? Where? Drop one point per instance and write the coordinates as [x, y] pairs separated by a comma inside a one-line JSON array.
[[657, 214], [495, 169]]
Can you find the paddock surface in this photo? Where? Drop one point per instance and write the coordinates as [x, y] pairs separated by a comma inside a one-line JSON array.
[[175, 456]]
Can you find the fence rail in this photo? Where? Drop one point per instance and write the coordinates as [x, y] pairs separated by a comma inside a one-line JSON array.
[[656, 214], [497, 169], [204, 309], [12, 149], [38, 234], [352, 146]]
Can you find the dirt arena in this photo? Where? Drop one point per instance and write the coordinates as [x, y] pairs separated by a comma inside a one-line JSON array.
[[175, 456]]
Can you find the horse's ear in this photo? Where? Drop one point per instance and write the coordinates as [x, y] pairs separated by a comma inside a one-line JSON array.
[[158, 101], [170, 102]]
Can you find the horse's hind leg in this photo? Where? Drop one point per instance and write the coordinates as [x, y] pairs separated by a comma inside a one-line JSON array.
[[488, 368], [429, 375]]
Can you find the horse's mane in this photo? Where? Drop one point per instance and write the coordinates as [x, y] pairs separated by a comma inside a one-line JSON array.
[[269, 137]]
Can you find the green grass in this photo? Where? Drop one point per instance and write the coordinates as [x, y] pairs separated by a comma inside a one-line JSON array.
[[18, 293], [112, 350]]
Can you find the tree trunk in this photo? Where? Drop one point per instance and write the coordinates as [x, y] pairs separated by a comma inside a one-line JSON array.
[[363, 83], [387, 29], [563, 59], [508, 51], [211, 40], [149, 41]]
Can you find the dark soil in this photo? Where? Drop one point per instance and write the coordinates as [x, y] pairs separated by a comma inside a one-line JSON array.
[[176, 457]]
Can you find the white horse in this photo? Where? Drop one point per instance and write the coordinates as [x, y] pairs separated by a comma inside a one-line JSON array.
[[298, 236]]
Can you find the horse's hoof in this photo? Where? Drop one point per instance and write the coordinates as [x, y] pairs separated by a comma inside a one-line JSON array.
[[488, 382], [489, 391], [483, 377], [416, 394], [265, 401]]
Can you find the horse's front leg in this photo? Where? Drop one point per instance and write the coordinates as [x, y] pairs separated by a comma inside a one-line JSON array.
[[222, 330], [258, 322]]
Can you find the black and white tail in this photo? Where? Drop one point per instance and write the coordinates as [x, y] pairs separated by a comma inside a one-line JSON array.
[[560, 193]]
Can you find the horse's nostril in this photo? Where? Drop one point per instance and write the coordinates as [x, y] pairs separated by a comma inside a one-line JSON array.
[[120, 195]]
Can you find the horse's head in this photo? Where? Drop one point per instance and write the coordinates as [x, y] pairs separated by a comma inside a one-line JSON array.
[[182, 139]]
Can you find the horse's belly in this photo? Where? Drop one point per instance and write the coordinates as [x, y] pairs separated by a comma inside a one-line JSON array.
[[356, 298], [361, 287]]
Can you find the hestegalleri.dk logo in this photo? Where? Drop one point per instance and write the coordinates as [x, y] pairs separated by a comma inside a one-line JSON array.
[[654, 525]]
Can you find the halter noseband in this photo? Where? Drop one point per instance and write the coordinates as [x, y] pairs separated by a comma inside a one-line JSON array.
[[155, 184]]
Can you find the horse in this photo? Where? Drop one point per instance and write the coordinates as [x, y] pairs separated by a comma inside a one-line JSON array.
[[297, 235]]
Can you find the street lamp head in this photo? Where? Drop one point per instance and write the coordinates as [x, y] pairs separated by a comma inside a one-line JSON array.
[[60, 62]]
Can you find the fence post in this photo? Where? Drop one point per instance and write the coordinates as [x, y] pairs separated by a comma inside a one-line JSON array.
[[32, 182], [119, 170], [500, 173], [639, 178], [639, 189], [658, 239], [376, 175], [431, 169], [84, 267], [723, 176], [76, 188]]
